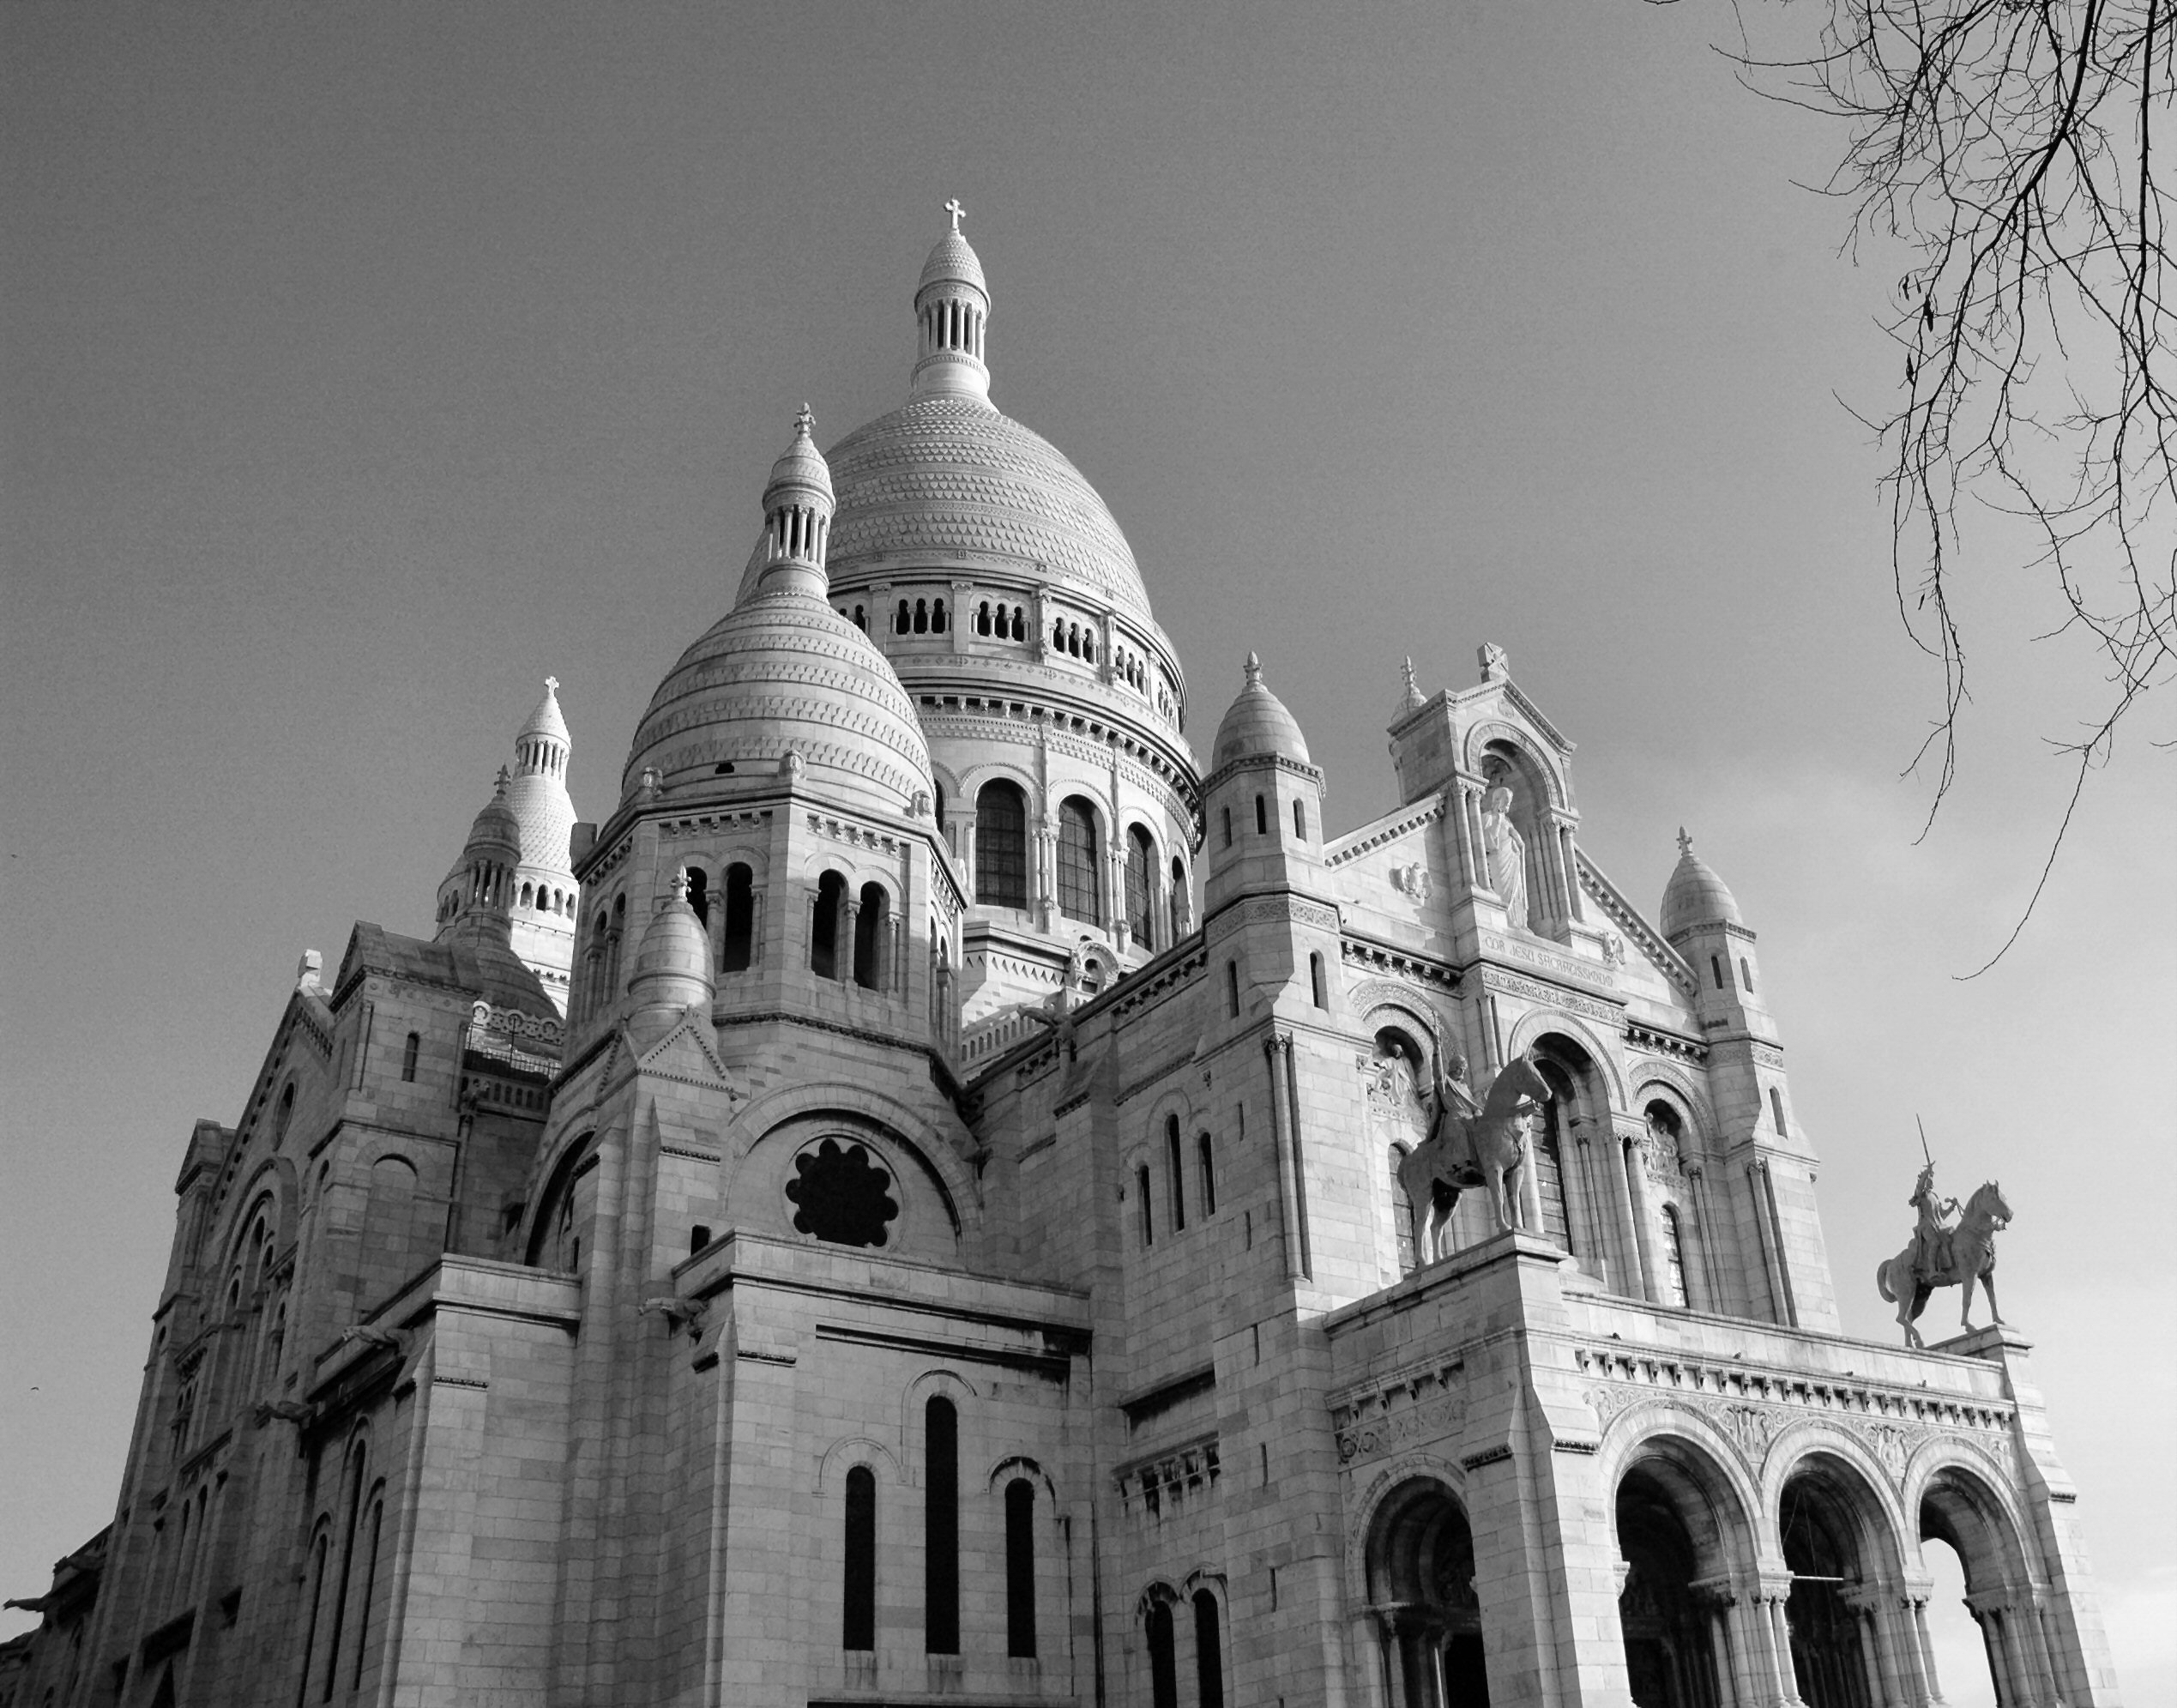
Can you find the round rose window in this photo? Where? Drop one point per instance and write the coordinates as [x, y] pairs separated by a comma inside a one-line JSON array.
[[841, 1196]]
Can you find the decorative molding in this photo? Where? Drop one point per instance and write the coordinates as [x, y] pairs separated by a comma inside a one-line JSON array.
[[1425, 1403], [1607, 896], [1548, 961], [1390, 831], [1386, 958], [1552, 996]]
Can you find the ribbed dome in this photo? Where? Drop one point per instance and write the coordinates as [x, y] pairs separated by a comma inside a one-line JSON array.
[[783, 671], [674, 948], [546, 720], [1695, 896], [1257, 723], [949, 482], [496, 829], [950, 258], [800, 468]]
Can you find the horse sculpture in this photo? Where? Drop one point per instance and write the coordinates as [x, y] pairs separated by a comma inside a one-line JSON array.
[[1964, 1254], [1488, 1149]]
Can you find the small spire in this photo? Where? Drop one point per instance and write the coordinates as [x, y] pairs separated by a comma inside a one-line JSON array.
[[680, 888], [804, 424], [504, 777], [1254, 671], [1411, 697], [1685, 841]]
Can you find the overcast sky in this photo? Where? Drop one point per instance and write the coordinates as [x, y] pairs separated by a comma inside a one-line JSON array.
[[363, 365]]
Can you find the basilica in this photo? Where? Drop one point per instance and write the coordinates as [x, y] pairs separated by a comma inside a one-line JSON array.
[[950, 1187]]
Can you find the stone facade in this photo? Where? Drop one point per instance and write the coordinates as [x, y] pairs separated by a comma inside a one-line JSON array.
[[852, 1227]]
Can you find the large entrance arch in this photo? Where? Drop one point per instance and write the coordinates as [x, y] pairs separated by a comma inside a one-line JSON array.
[[1421, 1591], [1959, 1509], [1832, 1534], [1684, 1536]]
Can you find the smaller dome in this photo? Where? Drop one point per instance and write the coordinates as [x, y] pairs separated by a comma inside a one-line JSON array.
[[1257, 724], [952, 262], [802, 468], [495, 828], [674, 953], [1695, 896], [546, 720]]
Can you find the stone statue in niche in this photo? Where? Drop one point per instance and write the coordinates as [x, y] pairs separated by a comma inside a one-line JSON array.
[[1507, 852]]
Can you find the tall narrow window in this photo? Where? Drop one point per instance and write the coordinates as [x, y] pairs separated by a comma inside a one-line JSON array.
[[739, 948], [1549, 1168], [1300, 820], [1317, 984], [1402, 1216], [1178, 899], [1232, 989], [1208, 1653], [858, 1621], [699, 893], [1142, 1197], [370, 1589], [1164, 1664], [1261, 817], [1140, 905], [1776, 1110], [824, 929], [870, 926], [1746, 975], [409, 1051], [1077, 886], [1177, 1169], [1020, 1569], [1001, 845], [316, 1603], [1674, 1257], [1227, 812], [941, 1529], [348, 1565], [1715, 971], [1206, 1169]]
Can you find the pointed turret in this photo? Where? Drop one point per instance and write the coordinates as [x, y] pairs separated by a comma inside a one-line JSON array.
[[951, 312]]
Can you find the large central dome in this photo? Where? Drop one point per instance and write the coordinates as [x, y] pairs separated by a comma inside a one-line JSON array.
[[948, 479]]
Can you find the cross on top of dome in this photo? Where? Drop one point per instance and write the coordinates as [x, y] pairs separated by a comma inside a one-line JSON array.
[[959, 212]]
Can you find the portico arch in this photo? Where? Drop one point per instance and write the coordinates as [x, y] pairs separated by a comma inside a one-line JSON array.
[[1685, 1537], [1841, 1542], [1419, 1567]]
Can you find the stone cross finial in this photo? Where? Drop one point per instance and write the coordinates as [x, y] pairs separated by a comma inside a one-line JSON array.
[[804, 424], [958, 213], [551, 684], [1685, 841], [1496, 663], [1254, 669]]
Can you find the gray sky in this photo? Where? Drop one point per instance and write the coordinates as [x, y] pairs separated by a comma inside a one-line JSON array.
[[363, 365]]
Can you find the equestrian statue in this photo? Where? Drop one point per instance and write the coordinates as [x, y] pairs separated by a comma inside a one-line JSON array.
[[1469, 1145], [1944, 1252]]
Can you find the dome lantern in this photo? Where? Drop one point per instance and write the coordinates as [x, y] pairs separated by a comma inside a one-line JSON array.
[[797, 515], [951, 317], [1695, 896]]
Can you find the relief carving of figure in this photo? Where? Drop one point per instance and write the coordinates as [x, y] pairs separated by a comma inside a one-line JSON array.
[[1507, 852]]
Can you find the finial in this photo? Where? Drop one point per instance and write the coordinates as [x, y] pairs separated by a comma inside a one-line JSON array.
[[1685, 841], [958, 212], [505, 778], [1254, 671], [804, 424], [1411, 697], [1496, 663], [551, 684], [680, 887]]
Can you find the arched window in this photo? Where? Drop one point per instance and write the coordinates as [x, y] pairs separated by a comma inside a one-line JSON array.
[[284, 1113], [1178, 899], [858, 1617], [941, 1529], [922, 617], [1261, 817], [1177, 1166], [1020, 1569], [938, 617], [1549, 1156], [1300, 820], [317, 1553], [1401, 1215], [1163, 1664], [1776, 1110], [1673, 1258], [1019, 622], [699, 892], [1226, 813], [526, 895], [1231, 990], [409, 1051], [1077, 886], [1001, 845], [982, 618], [1208, 1653], [347, 1565], [861, 619], [1715, 971], [1142, 1197], [1317, 984], [1746, 975], [871, 921], [824, 929], [739, 947], [1140, 905], [1206, 1169], [903, 620], [369, 1585], [1058, 636], [1088, 647]]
